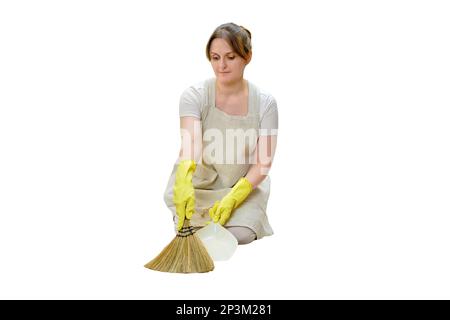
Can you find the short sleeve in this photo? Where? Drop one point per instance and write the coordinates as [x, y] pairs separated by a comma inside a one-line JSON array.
[[190, 103], [269, 116]]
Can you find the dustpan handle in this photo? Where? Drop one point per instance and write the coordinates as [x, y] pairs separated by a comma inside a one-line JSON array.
[[187, 224]]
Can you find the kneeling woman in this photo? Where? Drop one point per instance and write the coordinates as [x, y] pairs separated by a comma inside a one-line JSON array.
[[228, 128]]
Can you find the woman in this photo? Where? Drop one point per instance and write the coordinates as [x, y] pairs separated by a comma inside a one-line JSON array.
[[228, 128]]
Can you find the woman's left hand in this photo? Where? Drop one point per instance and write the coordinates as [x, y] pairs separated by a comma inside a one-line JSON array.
[[221, 211]]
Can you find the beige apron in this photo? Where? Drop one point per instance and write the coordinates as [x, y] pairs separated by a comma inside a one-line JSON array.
[[212, 181]]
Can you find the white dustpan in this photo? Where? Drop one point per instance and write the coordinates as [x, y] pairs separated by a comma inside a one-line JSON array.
[[218, 241]]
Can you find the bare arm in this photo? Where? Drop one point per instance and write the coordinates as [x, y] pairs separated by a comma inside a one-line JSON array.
[[191, 139], [265, 151]]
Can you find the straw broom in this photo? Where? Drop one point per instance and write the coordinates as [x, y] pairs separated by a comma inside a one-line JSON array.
[[184, 254]]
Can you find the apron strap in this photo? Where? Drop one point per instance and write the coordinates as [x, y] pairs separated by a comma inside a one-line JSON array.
[[254, 107], [208, 93]]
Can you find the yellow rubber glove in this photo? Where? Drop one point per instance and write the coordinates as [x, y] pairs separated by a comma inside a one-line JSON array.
[[183, 191], [221, 211]]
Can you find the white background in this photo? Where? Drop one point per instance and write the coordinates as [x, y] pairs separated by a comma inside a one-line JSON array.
[[89, 95]]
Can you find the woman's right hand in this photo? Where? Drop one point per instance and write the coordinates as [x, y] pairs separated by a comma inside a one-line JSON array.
[[183, 191]]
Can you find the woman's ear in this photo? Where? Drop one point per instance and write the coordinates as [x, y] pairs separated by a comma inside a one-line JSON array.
[[249, 58]]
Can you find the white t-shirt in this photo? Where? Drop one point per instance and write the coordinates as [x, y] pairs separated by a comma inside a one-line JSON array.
[[191, 102]]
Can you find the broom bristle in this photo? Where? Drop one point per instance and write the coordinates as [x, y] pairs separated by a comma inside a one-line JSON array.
[[184, 254]]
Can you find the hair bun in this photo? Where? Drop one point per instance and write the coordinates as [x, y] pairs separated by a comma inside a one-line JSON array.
[[246, 30]]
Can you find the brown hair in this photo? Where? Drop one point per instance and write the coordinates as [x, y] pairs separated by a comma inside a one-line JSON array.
[[238, 37]]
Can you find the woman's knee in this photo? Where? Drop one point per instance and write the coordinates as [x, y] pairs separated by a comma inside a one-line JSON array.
[[243, 235]]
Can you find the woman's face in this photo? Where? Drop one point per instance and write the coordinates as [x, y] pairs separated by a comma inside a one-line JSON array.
[[227, 64]]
